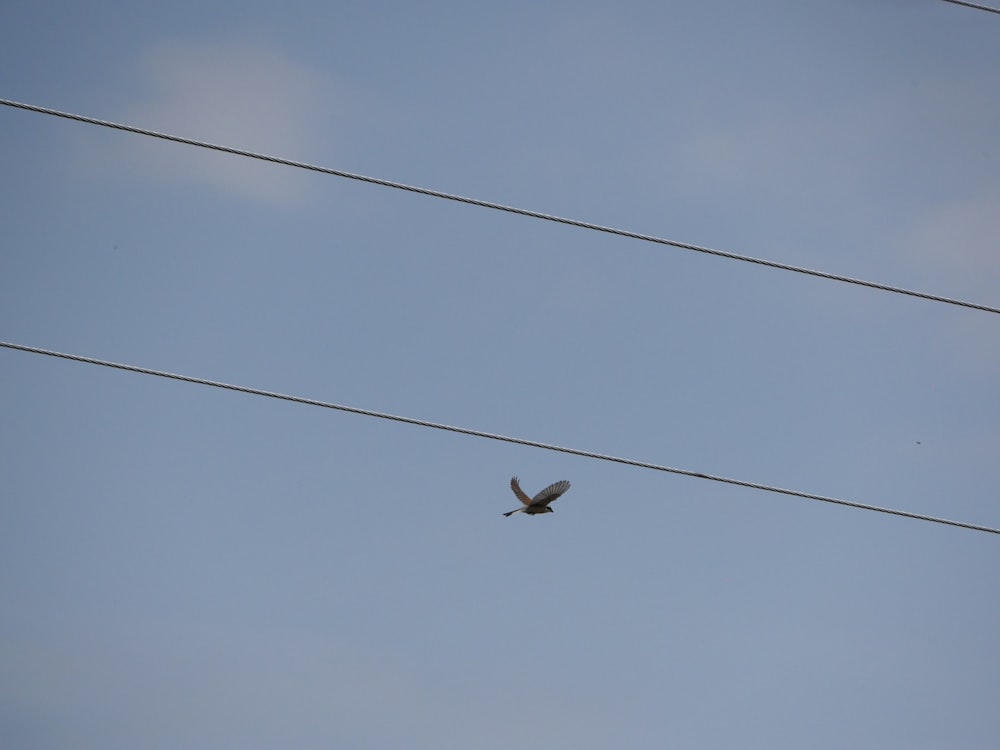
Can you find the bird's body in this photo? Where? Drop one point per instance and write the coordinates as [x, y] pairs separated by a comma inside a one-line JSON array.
[[540, 502]]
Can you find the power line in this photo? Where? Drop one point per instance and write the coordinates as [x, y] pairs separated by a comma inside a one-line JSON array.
[[492, 436], [973, 5], [500, 207]]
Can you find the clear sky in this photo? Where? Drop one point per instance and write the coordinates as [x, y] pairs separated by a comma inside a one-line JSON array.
[[187, 567]]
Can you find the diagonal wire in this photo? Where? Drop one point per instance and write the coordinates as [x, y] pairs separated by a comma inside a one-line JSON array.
[[500, 207], [492, 436], [977, 6]]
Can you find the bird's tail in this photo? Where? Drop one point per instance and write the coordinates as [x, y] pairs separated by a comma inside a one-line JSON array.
[[517, 510]]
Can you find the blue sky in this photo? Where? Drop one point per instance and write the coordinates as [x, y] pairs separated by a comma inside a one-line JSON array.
[[186, 567]]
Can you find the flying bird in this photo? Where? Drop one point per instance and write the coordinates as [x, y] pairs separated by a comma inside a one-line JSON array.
[[540, 502]]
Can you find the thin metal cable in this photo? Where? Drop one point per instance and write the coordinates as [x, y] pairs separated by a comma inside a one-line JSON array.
[[973, 5], [501, 207], [492, 436]]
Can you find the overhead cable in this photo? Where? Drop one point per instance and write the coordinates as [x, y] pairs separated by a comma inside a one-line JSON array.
[[977, 6], [500, 207], [494, 436]]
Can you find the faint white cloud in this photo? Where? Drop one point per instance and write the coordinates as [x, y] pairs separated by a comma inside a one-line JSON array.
[[776, 147], [958, 244], [953, 249], [238, 94], [901, 132]]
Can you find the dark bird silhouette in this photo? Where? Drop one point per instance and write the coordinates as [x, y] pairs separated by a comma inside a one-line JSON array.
[[540, 502]]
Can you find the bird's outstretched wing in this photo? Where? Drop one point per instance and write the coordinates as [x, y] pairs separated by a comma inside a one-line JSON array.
[[550, 493], [514, 485]]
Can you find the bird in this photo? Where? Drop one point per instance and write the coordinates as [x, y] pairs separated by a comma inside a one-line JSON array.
[[540, 502]]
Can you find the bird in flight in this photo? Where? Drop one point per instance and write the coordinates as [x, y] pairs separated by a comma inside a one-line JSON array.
[[540, 502]]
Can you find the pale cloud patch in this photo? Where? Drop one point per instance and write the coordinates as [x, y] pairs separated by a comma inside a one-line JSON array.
[[957, 245], [857, 143], [905, 180], [776, 149], [237, 94]]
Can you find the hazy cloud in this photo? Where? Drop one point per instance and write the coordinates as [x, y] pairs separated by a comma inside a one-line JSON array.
[[233, 93], [957, 243]]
